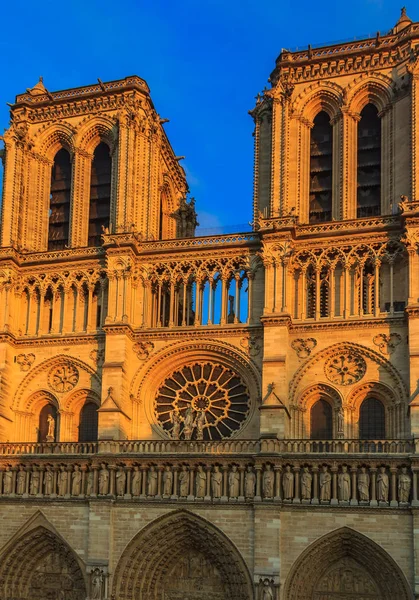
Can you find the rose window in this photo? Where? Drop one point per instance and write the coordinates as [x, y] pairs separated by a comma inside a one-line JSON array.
[[202, 401], [63, 378], [345, 368]]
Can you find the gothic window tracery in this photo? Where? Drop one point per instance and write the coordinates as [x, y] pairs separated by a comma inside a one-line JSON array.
[[321, 421], [59, 206], [372, 420], [100, 193], [88, 426], [369, 163], [321, 146]]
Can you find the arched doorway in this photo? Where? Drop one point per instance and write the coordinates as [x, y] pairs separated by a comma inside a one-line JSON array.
[[40, 566], [182, 557], [345, 564]]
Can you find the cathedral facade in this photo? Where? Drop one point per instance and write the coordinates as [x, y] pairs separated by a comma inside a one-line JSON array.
[[228, 417]]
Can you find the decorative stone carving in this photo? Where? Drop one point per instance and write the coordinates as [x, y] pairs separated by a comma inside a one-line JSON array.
[[35, 481], [63, 378], [364, 485], [103, 480], [97, 584], [266, 589], [249, 483], [404, 486], [97, 356], [306, 481], [62, 481], [167, 481], [346, 368], [76, 481], [234, 482], [121, 478], [152, 482], [268, 482], [48, 481], [344, 485], [143, 349], [184, 481], [387, 343], [51, 429], [303, 347], [288, 483], [382, 485], [204, 396], [21, 480], [347, 579], [200, 482], [216, 482], [89, 486], [25, 361], [136, 481], [7, 481], [325, 484], [252, 344]]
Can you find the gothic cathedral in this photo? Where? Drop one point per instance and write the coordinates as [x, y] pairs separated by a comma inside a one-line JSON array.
[[228, 417]]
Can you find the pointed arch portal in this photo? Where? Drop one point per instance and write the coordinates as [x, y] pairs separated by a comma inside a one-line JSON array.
[[346, 564], [40, 566], [182, 557]]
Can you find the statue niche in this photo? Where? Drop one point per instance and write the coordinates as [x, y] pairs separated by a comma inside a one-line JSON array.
[[193, 577], [346, 579]]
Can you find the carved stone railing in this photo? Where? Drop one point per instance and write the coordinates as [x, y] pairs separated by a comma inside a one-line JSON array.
[[232, 447], [382, 481]]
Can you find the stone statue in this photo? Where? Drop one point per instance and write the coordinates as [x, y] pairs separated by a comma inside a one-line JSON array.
[[288, 483], [62, 481], [325, 484], [268, 482], [103, 480], [405, 483], [89, 487], [201, 482], [184, 481], [97, 585], [249, 483], [188, 423], [136, 482], [51, 429], [121, 478], [267, 592], [382, 485], [76, 481], [216, 482], [340, 420], [175, 420], [48, 481], [306, 479], [152, 482], [200, 424], [34, 485], [21, 481], [344, 484], [364, 485], [234, 482], [7, 480], [167, 481]]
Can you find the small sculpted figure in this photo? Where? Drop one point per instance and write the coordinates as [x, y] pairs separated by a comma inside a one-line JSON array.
[[21, 481], [268, 482], [62, 481], [184, 481], [382, 485], [344, 484], [76, 481], [121, 478], [48, 481], [325, 484], [288, 483], [216, 482], [364, 485], [152, 481], [234, 482], [201, 482], [103, 480], [136, 482], [167, 481], [405, 483], [306, 479], [35, 479], [249, 483]]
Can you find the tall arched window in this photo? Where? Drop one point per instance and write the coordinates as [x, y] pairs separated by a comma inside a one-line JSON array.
[[372, 423], [311, 292], [369, 163], [43, 424], [100, 193], [321, 147], [59, 205], [88, 423], [321, 421]]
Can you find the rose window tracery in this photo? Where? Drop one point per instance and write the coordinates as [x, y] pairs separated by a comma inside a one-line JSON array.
[[345, 368], [204, 401], [63, 378]]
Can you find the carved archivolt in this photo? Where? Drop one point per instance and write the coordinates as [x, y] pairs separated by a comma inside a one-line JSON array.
[[321, 390], [38, 564], [152, 558], [344, 552], [322, 95]]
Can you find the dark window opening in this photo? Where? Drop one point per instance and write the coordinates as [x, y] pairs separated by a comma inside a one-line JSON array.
[[321, 148], [59, 206], [372, 420], [324, 292], [321, 421], [100, 194], [369, 163], [311, 292], [88, 423], [43, 425]]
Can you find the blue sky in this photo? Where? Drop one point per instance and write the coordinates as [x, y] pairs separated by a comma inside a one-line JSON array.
[[204, 60]]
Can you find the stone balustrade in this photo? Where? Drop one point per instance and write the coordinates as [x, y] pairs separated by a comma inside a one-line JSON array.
[[198, 447], [331, 481]]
